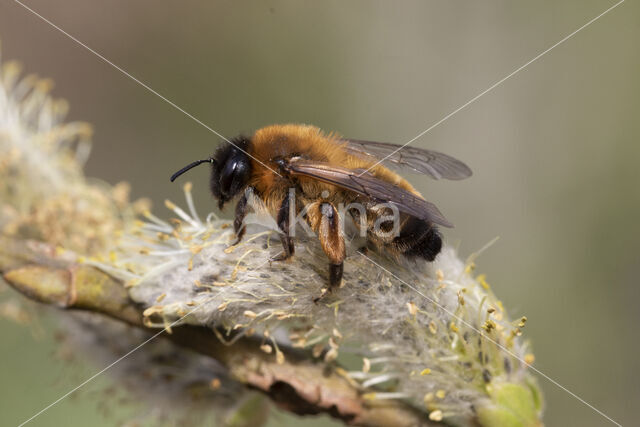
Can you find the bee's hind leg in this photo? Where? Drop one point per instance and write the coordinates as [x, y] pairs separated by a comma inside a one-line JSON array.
[[325, 221], [284, 222]]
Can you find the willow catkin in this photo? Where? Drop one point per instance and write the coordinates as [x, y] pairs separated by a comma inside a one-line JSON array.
[[431, 334]]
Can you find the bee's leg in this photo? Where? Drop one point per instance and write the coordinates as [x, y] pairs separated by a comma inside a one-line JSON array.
[[238, 221], [325, 221], [284, 221]]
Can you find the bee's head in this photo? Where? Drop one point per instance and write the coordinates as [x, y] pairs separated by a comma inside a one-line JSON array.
[[230, 170]]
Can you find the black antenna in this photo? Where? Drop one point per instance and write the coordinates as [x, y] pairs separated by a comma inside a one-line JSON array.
[[190, 166]]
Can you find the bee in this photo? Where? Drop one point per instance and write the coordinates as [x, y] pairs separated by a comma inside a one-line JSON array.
[[296, 169]]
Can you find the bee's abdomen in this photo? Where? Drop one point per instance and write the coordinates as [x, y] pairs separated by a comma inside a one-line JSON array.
[[417, 239]]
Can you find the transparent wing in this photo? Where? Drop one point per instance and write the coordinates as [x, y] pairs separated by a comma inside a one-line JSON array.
[[432, 163], [370, 186]]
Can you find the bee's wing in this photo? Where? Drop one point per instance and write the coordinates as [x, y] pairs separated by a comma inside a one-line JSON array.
[[370, 186], [432, 163]]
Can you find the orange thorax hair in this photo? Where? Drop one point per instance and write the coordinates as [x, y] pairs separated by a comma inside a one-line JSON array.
[[312, 144]]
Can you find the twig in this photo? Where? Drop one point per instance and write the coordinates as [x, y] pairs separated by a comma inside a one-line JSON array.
[[296, 383]]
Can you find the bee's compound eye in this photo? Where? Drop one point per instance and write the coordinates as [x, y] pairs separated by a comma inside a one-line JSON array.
[[226, 177], [234, 175]]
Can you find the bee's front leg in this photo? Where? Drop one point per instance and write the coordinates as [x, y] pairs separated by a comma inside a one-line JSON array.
[[284, 221], [238, 221]]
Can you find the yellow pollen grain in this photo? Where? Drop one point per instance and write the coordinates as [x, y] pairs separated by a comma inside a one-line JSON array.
[[428, 397], [413, 309], [439, 275], [460, 298], [300, 343], [44, 85], [152, 310], [169, 204], [161, 297], [432, 327], [453, 327], [440, 394], [435, 415], [331, 355], [529, 358], [131, 283], [470, 267], [482, 280], [489, 325], [266, 348], [425, 371], [317, 350], [250, 314], [523, 320], [190, 266]]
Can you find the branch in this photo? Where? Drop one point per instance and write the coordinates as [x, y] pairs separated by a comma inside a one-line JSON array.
[[295, 383]]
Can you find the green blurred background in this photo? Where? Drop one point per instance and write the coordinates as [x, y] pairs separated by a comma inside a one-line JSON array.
[[555, 149]]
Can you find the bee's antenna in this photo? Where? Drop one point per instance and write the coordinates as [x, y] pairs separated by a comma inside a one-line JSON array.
[[191, 166]]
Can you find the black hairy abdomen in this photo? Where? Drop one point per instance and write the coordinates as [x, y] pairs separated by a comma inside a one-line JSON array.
[[418, 239]]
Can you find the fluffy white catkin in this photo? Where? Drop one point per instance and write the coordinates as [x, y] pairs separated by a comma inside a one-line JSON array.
[[431, 334]]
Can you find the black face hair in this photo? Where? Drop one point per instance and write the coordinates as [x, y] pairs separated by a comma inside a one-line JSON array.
[[231, 170]]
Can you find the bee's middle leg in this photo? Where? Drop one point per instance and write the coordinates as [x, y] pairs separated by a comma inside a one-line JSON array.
[[284, 221]]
